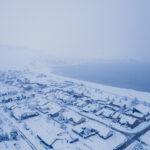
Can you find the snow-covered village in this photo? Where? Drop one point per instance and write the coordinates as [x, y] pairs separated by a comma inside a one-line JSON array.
[[74, 74], [45, 111]]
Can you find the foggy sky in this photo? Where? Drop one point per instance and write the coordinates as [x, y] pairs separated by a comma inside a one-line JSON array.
[[103, 29]]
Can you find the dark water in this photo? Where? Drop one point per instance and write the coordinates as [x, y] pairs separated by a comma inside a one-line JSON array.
[[132, 75]]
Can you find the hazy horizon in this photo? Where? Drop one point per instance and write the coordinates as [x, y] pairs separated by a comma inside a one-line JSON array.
[[75, 30]]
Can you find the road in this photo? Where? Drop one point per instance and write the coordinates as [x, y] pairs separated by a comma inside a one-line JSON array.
[[132, 139], [26, 139]]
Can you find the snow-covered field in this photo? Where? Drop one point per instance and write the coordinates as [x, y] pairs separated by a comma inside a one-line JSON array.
[[41, 111]]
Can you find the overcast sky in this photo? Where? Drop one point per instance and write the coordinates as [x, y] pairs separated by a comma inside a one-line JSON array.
[[103, 29]]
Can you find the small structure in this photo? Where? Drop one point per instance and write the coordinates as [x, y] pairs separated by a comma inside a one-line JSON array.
[[143, 109], [106, 134], [81, 103], [105, 112], [20, 113], [116, 117], [14, 134], [72, 140], [53, 113], [73, 118], [3, 136], [55, 110], [27, 115], [43, 142], [102, 131], [135, 113], [129, 121], [85, 132], [91, 108]]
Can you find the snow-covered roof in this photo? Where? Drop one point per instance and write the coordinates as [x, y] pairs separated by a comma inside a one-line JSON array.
[[142, 108], [72, 115], [107, 112], [125, 119]]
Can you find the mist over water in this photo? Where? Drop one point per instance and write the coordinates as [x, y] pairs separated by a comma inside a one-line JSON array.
[[131, 75]]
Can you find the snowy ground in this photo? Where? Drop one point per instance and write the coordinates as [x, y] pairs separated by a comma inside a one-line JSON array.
[[51, 112]]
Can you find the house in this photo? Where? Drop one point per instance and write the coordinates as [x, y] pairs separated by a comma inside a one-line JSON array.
[[49, 136], [20, 113], [91, 108], [27, 115], [54, 110], [142, 109], [84, 132], [116, 117], [132, 124], [105, 133], [53, 113], [105, 112], [136, 114], [118, 104], [139, 111], [81, 103], [59, 118], [99, 112], [73, 118], [102, 131], [129, 121], [43, 110], [114, 104]]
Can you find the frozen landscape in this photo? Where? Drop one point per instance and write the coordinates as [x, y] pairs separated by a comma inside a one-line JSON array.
[[74, 75], [41, 111]]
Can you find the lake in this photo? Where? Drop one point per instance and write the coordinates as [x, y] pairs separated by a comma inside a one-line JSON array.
[[130, 75]]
